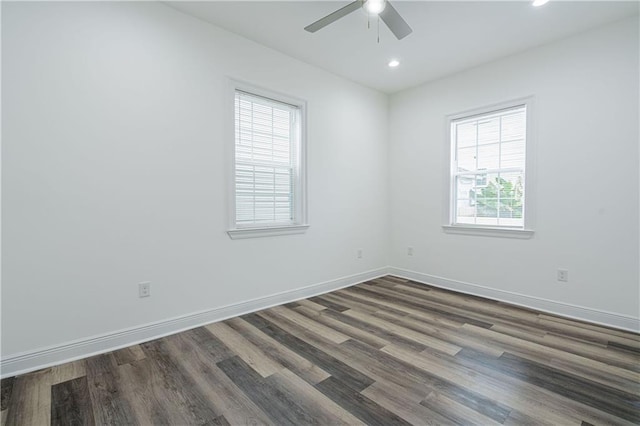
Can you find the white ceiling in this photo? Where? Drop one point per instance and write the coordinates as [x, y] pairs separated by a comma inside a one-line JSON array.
[[448, 36]]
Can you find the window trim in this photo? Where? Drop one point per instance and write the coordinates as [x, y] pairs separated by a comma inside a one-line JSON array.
[[527, 231], [300, 224]]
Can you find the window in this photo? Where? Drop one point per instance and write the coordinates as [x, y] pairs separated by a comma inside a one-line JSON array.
[[268, 179], [488, 175]]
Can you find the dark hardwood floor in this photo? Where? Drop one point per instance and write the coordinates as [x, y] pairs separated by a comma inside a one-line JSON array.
[[385, 352]]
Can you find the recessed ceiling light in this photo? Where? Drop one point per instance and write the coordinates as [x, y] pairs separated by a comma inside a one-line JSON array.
[[537, 3], [393, 63]]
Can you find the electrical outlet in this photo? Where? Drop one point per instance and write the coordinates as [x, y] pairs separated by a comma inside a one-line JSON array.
[[144, 289], [563, 275], [359, 253], [409, 251]]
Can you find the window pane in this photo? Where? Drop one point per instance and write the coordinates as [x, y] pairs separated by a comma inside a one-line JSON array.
[[489, 131], [466, 211], [513, 126], [466, 198], [513, 154], [496, 143], [466, 133], [487, 196], [467, 159], [493, 199], [465, 186], [489, 156], [512, 196], [265, 160]]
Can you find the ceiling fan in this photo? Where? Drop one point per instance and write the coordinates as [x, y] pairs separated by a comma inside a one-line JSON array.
[[381, 8]]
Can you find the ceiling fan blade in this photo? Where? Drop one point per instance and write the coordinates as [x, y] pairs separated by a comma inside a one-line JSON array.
[[332, 17], [394, 21]]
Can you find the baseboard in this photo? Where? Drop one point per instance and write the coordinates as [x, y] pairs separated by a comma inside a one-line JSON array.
[[54, 355], [595, 316]]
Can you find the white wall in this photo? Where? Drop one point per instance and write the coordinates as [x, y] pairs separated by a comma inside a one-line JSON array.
[[586, 120], [115, 167]]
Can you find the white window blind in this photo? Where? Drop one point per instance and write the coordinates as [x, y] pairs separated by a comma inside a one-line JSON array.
[[488, 168], [267, 138]]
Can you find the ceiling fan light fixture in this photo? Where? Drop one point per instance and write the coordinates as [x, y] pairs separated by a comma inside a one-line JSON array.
[[538, 3], [383, 9], [393, 63], [374, 7]]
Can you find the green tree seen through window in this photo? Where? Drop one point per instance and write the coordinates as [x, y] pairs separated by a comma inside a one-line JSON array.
[[499, 196]]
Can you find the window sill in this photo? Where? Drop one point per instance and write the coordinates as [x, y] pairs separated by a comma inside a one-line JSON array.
[[271, 231], [488, 231]]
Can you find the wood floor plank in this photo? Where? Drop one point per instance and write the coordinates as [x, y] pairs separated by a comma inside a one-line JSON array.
[[358, 404], [109, 406], [607, 331], [141, 385], [480, 385], [412, 371], [349, 330], [6, 386], [448, 312], [623, 348], [579, 331], [607, 399], [412, 290], [346, 374], [256, 320], [540, 353], [379, 332], [329, 304], [525, 397], [223, 395], [359, 300], [211, 344], [415, 385], [270, 398], [316, 327], [383, 282], [394, 279], [380, 367], [322, 409], [391, 398], [456, 412], [177, 390], [483, 309], [279, 353], [246, 350], [478, 317], [311, 305], [447, 334], [390, 307], [221, 421], [399, 330], [70, 403], [30, 401], [69, 371], [389, 351], [349, 300], [100, 364], [505, 391], [628, 361], [518, 331], [128, 355], [516, 418]]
